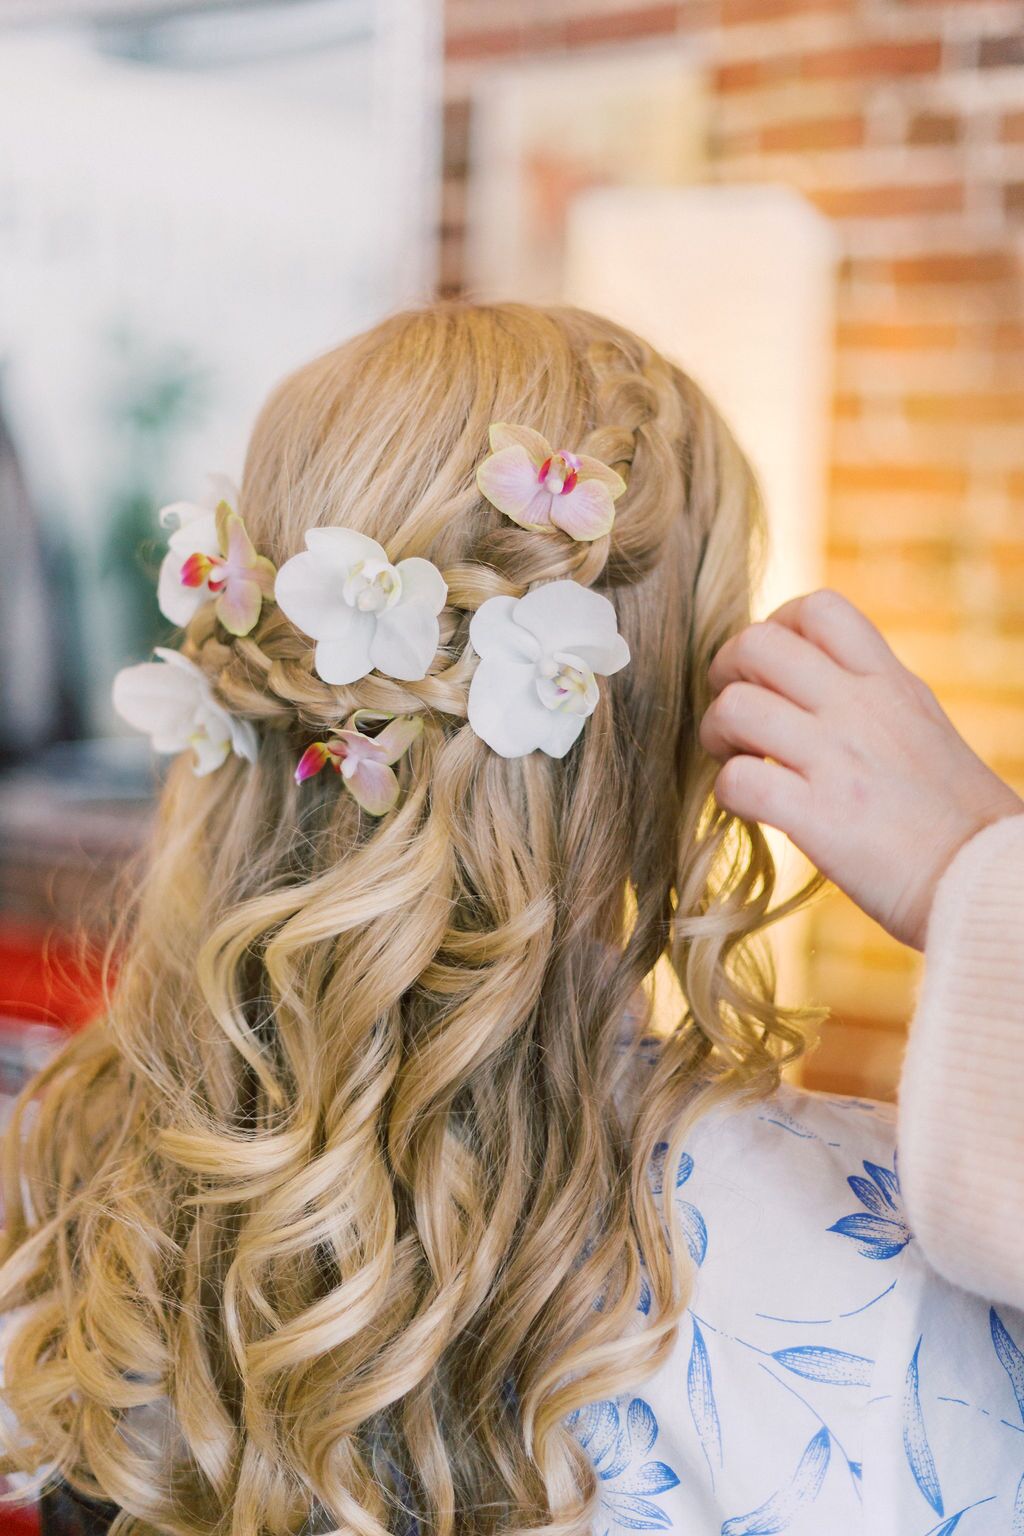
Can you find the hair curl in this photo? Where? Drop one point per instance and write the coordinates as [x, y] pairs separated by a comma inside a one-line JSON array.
[[340, 1210]]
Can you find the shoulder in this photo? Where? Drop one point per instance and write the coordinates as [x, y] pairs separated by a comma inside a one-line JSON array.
[[805, 1179]]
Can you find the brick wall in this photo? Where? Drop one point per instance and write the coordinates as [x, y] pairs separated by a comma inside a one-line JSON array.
[[903, 120]]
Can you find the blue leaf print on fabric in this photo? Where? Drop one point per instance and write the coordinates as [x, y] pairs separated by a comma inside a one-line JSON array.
[[691, 1222], [802, 1489], [949, 1526], [703, 1408], [817, 1362], [644, 1304], [915, 1439], [694, 1230], [880, 1229], [1017, 1524], [656, 1168], [617, 1444], [1010, 1357]]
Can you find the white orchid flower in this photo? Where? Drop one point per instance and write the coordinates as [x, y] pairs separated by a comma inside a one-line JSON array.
[[210, 556], [540, 656], [172, 702], [362, 611], [537, 487]]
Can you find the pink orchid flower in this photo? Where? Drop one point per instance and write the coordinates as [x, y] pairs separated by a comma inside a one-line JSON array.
[[235, 576], [364, 762], [210, 555], [536, 487]]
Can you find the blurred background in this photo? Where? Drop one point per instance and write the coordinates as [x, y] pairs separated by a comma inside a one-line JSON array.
[[815, 206]]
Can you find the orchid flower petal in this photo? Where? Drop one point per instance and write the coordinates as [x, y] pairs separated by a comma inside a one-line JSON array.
[[508, 480], [373, 785], [156, 700], [345, 658], [422, 582], [176, 602], [605, 657], [308, 591], [241, 557], [238, 606], [342, 547], [563, 615], [494, 631], [196, 570], [180, 513], [586, 512], [316, 756], [504, 434], [405, 641], [398, 737], [199, 533], [503, 707], [597, 469], [559, 731], [200, 514], [360, 718], [210, 752], [244, 740]]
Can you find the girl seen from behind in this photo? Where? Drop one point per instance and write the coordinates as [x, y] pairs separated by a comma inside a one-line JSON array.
[[374, 1203]]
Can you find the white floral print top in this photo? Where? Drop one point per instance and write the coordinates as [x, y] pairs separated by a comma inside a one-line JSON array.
[[825, 1382]]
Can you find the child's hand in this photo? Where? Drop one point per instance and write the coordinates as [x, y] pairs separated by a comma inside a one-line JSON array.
[[827, 736]]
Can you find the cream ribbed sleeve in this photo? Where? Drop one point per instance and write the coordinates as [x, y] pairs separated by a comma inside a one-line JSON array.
[[961, 1107]]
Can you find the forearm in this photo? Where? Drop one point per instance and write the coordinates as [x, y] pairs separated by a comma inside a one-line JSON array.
[[961, 1128]]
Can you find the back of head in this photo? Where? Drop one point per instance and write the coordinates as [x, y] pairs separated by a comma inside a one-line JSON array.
[[339, 1211]]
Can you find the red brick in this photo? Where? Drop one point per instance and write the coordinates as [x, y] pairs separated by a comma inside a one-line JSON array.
[[451, 275], [876, 336], [1001, 52], [625, 25], [482, 45], [873, 59], [1011, 130], [861, 60], [741, 76], [455, 134], [889, 201], [941, 478], [948, 267], [813, 133], [985, 406], [501, 42], [742, 12], [934, 128], [934, 552], [1006, 335]]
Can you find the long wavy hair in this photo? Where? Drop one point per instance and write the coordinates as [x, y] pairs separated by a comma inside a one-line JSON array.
[[342, 1209]]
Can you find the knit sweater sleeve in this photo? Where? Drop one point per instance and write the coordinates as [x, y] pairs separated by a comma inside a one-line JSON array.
[[961, 1109]]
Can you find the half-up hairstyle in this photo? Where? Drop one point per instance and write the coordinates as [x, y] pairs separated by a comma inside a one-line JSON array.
[[342, 1209]]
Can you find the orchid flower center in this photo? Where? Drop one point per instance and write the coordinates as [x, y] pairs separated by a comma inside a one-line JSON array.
[[565, 682], [560, 473], [203, 570], [372, 585]]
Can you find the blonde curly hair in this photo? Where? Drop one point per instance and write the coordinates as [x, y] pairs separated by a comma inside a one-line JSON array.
[[342, 1208]]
